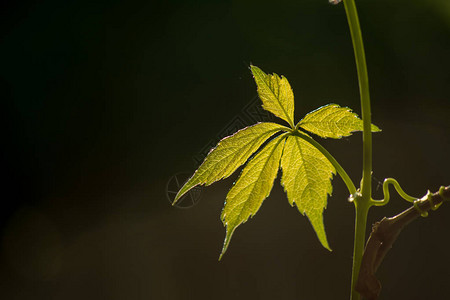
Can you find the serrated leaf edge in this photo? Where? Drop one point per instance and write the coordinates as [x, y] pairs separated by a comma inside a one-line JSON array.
[[230, 232], [374, 128], [289, 118]]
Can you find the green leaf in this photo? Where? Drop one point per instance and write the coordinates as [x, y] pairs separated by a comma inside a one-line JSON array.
[[276, 94], [306, 178], [333, 121], [253, 186], [229, 154]]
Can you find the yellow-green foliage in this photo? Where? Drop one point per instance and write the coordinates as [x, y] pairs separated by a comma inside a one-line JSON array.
[[307, 169]]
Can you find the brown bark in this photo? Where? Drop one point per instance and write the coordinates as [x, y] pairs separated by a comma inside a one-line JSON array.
[[384, 234]]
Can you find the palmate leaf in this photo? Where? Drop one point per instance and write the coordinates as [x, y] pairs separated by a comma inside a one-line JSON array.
[[306, 172], [333, 121], [253, 186], [229, 154], [306, 179], [276, 94]]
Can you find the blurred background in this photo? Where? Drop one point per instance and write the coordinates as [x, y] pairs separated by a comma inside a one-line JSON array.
[[105, 101]]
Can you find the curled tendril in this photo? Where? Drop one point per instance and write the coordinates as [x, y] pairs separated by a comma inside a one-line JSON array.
[[386, 194], [442, 194], [422, 213]]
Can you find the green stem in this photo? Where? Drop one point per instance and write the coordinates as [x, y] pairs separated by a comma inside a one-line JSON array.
[[362, 209], [362, 203], [363, 78]]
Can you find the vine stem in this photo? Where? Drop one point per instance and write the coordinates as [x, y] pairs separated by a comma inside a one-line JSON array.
[[363, 200], [362, 209]]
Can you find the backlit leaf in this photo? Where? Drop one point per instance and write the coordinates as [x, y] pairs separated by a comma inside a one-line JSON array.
[[333, 121], [306, 178], [229, 154], [276, 94], [306, 172], [253, 186]]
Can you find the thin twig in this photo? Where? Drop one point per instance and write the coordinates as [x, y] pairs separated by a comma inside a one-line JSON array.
[[384, 234]]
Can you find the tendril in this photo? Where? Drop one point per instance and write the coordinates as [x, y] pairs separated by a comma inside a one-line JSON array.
[[386, 194]]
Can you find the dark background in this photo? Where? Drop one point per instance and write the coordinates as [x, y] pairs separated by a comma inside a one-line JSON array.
[[103, 102]]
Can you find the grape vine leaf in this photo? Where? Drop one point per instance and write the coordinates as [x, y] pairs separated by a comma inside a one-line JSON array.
[[229, 154], [276, 94], [253, 186], [306, 169], [333, 121], [306, 179]]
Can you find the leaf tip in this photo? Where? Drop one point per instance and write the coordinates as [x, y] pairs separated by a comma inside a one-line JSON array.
[[184, 189], [226, 243], [375, 128], [257, 72], [177, 197], [324, 242], [220, 256], [180, 193], [316, 219], [326, 245]]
